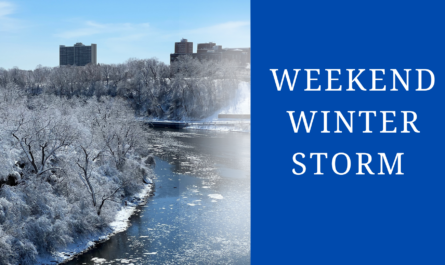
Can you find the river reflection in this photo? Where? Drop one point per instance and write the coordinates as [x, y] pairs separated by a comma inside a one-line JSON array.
[[200, 213]]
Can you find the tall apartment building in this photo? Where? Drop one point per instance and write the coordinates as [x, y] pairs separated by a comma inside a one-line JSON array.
[[183, 47], [78, 54]]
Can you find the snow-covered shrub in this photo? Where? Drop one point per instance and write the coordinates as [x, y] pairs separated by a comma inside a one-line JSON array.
[[66, 166]]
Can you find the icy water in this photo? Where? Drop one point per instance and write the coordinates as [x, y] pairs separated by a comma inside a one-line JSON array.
[[200, 212]]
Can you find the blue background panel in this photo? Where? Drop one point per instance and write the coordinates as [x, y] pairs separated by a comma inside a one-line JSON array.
[[349, 219]]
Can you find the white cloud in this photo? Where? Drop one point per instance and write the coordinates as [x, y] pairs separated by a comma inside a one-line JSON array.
[[229, 34], [6, 9], [8, 24], [90, 28]]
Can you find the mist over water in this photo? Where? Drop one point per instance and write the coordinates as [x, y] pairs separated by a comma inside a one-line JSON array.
[[200, 213]]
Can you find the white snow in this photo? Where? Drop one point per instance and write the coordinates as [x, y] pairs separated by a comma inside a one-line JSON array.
[[121, 223], [98, 260], [148, 180]]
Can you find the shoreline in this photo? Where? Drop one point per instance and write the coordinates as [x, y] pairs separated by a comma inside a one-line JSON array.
[[84, 244], [121, 220]]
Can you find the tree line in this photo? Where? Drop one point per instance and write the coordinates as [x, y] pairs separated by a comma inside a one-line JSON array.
[[188, 88]]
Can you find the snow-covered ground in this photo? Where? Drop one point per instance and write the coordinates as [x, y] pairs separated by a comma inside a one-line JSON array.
[[120, 223]]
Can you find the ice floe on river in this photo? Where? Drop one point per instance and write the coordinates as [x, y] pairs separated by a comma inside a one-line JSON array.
[[216, 196]]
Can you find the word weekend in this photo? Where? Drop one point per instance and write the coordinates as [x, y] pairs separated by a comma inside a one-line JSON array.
[[354, 78]]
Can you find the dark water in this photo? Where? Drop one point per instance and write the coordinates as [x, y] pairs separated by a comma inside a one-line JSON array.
[[200, 213]]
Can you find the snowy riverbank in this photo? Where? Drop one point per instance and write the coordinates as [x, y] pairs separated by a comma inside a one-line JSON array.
[[81, 245]]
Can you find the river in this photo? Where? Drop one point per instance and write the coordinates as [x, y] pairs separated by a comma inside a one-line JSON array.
[[200, 210]]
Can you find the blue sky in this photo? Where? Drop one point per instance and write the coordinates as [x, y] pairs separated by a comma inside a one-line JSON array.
[[31, 31]]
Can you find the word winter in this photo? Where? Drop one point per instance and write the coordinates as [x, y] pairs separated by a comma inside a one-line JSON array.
[[409, 117], [361, 165], [353, 77]]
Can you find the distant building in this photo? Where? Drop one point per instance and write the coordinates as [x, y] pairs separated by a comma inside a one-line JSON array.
[[78, 54], [204, 47], [183, 47], [241, 55], [211, 51]]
